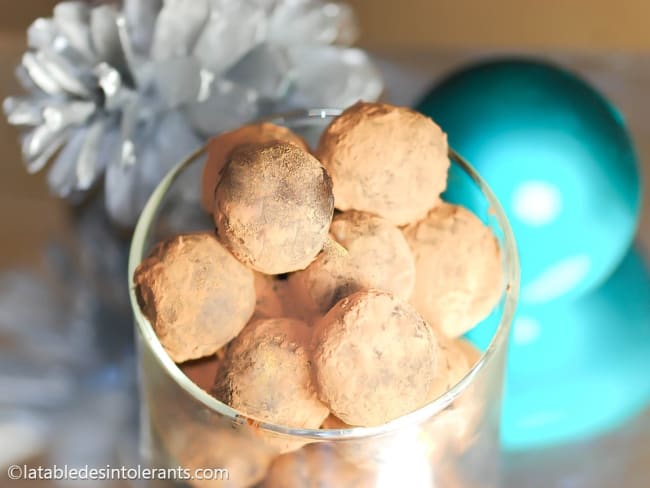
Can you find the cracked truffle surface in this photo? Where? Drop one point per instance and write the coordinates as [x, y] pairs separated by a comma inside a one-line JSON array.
[[267, 375], [273, 207], [377, 257], [196, 295], [384, 159], [221, 147], [373, 358], [458, 277]]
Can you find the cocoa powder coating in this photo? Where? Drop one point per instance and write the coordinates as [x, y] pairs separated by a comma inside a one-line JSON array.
[[376, 256], [374, 358], [273, 207], [221, 147], [196, 295], [267, 375], [384, 159], [458, 268]]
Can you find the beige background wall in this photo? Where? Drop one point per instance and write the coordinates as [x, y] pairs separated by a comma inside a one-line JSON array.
[[583, 25], [574, 24]]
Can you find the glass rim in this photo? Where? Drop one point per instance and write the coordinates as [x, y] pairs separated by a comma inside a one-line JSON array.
[[145, 329]]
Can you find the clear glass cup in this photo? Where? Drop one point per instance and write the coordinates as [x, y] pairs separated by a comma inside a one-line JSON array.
[[452, 442]]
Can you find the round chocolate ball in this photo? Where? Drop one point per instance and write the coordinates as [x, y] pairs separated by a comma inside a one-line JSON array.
[[375, 255], [221, 147], [314, 466], [196, 295], [273, 207], [374, 358], [459, 276], [267, 374], [387, 160]]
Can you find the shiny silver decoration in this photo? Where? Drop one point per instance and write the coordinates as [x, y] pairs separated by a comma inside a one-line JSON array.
[[127, 93]]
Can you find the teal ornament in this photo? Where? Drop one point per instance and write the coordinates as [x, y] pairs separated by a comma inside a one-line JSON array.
[[559, 159], [579, 368]]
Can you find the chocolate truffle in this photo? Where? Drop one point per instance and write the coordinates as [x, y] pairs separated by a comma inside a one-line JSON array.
[[266, 374], [472, 354], [364, 453], [220, 148], [388, 160], [269, 292], [316, 466], [273, 207], [384, 452], [196, 295], [458, 278], [454, 429], [332, 422], [373, 358], [377, 257], [455, 360], [221, 447], [203, 371]]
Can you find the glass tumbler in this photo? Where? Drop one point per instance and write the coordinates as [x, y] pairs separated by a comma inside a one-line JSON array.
[[192, 439]]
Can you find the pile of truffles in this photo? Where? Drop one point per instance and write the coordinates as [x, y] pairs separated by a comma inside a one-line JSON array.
[[334, 286]]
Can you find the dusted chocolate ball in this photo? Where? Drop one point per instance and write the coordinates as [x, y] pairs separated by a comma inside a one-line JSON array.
[[196, 295], [384, 453], [377, 257], [220, 148], [269, 292], [275, 299], [446, 432], [458, 277], [266, 374], [316, 466], [273, 207], [387, 160], [374, 358], [469, 350], [332, 422], [208, 447], [203, 371], [455, 428], [456, 358]]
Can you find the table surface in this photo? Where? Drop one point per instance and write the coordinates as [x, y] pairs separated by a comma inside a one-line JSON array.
[[621, 458]]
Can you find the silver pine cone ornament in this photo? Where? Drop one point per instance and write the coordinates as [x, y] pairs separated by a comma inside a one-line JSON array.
[[126, 92]]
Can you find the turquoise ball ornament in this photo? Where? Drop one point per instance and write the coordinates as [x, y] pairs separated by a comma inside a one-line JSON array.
[[576, 369], [560, 160]]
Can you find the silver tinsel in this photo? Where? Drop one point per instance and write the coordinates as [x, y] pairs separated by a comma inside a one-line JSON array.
[[128, 92], [67, 372]]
